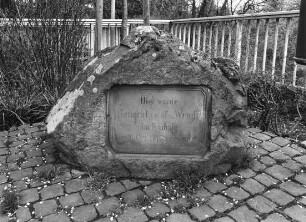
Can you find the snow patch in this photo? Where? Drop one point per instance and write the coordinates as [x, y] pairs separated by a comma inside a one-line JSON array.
[[90, 63], [91, 79]]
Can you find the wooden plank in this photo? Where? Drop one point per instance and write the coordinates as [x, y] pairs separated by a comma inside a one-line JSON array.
[[199, 36], [204, 38], [99, 18], [275, 47], [184, 33], [222, 38], [288, 26], [264, 56], [256, 45], [247, 52], [210, 39], [146, 12], [229, 40], [189, 35], [216, 39], [193, 35], [238, 42]]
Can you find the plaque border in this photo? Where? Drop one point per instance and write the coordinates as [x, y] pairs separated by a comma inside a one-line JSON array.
[[207, 100]]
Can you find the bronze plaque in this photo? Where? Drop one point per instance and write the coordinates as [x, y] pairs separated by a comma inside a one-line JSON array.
[[159, 119]]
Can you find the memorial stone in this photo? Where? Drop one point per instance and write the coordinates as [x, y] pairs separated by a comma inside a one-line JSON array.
[[151, 106]]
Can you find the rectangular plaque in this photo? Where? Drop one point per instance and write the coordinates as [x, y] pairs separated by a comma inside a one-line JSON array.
[[159, 119]]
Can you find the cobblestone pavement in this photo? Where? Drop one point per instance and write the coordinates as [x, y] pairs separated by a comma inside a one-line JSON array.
[[271, 189]]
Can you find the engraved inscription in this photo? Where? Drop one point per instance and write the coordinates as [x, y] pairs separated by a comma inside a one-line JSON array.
[[159, 119]]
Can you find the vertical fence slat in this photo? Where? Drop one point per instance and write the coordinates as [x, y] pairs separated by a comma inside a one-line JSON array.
[[210, 39], [189, 35], [193, 35], [184, 33], [176, 30], [199, 36], [204, 38], [229, 40], [294, 74], [222, 39], [247, 52], [216, 40], [264, 57], [238, 42], [288, 25], [256, 45], [180, 32], [92, 40], [275, 47]]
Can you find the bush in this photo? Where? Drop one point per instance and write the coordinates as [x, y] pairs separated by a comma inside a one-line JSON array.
[[39, 58], [272, 104]]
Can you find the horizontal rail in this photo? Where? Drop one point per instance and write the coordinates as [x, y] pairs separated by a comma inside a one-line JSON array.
[[268, 15]]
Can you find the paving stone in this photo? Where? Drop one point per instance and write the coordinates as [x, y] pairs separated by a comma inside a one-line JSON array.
[[129, 184], [301, 159], [4, 218], [292, 165], [302, 200], [246, 173], [277, 155], [177, 203], [144, 182], [106, 220], [219, 203], [261, 136], [28, 196], [20, 185], [301, 178], [257, 166], [19, 174], [62, 177], [269, 146], [275, 218], [213, 186], [32, 162], [290, 151], [253, 130], [34, 153], [280, 141], [23, 214], [154, 190], [45, 208], [92, 196], [266, 179], [261, 204], [132, 196], [236, 193], [4, 152], [157, 209], [279, 197], [224, 219], [3, 178], [252, 186], [114, 188], [296, 212], [15, 157], [77, 173], [84, 213], [107, 205], [279, 172], [293, 188], [74, 199], [267, 160], [2, 159], [176, 217], [259, 151], [132, 214], [298, 148], [253, 140], [52, 191], [201, 213], [75, 185], [201, 193], [60, 217], [243, 214]]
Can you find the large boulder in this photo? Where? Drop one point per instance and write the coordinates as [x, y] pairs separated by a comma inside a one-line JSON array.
[[149, 57]]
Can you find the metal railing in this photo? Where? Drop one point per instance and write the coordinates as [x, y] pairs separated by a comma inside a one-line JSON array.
[[259, 43]]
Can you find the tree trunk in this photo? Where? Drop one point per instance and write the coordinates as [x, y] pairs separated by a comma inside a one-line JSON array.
[[99, 18], [124, 19], [146, 12]]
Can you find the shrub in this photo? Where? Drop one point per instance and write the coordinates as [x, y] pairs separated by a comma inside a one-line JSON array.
[[38, 58], [10, 200], [272, 104]]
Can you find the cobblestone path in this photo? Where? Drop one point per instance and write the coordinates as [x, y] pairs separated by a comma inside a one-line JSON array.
[[271, 189]]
